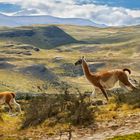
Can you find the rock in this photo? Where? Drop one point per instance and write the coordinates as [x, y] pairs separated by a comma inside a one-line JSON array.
[[8, 45], [57, 59], [27, 53], [17, 51], [28, 47], [36, 49], [25, 47], [133, 81]]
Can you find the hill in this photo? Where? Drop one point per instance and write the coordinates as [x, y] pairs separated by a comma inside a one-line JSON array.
[[50, 36], [31, 53]]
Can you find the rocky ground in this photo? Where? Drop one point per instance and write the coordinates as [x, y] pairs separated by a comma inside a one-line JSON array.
[[106, 129]]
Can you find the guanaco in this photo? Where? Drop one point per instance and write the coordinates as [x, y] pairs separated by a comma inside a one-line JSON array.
[[9, 99], [106, 79]]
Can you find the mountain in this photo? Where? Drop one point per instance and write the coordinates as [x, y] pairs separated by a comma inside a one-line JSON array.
[[49, 37], [30, 20]]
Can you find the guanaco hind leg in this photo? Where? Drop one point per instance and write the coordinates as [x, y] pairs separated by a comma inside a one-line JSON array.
[[124, 79], [123, 86], [10, 108]]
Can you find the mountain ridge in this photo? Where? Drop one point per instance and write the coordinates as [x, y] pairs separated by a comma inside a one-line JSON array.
[[44, 19]]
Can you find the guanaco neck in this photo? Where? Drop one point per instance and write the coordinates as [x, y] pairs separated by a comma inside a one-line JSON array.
[[86, 69]]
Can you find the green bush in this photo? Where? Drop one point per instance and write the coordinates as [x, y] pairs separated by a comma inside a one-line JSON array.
[[135, 136]]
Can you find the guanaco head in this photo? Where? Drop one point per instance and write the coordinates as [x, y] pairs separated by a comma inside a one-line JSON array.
[[79, 61]]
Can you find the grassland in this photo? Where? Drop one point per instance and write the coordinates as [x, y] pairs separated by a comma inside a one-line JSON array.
[[40, 59], [115, 47]]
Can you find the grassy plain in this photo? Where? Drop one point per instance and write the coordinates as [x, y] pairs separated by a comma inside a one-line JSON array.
[[39, 58]]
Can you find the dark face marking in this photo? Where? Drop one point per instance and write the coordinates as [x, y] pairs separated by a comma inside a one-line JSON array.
[[79, 62]]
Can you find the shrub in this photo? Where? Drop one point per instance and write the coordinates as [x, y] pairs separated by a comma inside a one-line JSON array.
[[132, 99], [62, 108]]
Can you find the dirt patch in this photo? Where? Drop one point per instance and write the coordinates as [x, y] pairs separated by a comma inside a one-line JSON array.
[[106, 129]]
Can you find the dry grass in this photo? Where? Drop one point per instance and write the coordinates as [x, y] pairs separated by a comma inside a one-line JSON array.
[[49, 115], [121, 103]]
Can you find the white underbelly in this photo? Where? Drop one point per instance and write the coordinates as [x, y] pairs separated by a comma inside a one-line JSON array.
[[110, 83]]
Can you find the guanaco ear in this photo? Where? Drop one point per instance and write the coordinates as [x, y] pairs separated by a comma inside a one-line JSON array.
[[83, 57]]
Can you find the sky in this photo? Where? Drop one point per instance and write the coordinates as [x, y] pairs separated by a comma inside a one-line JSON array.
[[108, 12]]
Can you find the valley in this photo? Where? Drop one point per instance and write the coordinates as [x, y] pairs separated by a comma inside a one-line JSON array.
[[40, 59]]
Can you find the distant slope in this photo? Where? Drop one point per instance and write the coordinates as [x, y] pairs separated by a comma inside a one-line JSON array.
[[52, 36], [44, 37], [29, 20], [32, 56]]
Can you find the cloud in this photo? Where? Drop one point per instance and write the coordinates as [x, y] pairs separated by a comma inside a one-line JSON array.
[[113, 16], [103, 14]]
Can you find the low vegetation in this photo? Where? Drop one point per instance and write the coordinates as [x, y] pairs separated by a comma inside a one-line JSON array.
[[132, 99], [135, 136], [61, 114], [74, 109]]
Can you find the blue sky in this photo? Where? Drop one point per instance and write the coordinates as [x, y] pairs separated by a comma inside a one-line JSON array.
[[109, 12], [7, 7], [132, 4]]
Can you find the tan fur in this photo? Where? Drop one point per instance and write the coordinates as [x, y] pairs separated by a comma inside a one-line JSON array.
[[9, 99], [106, 79]]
